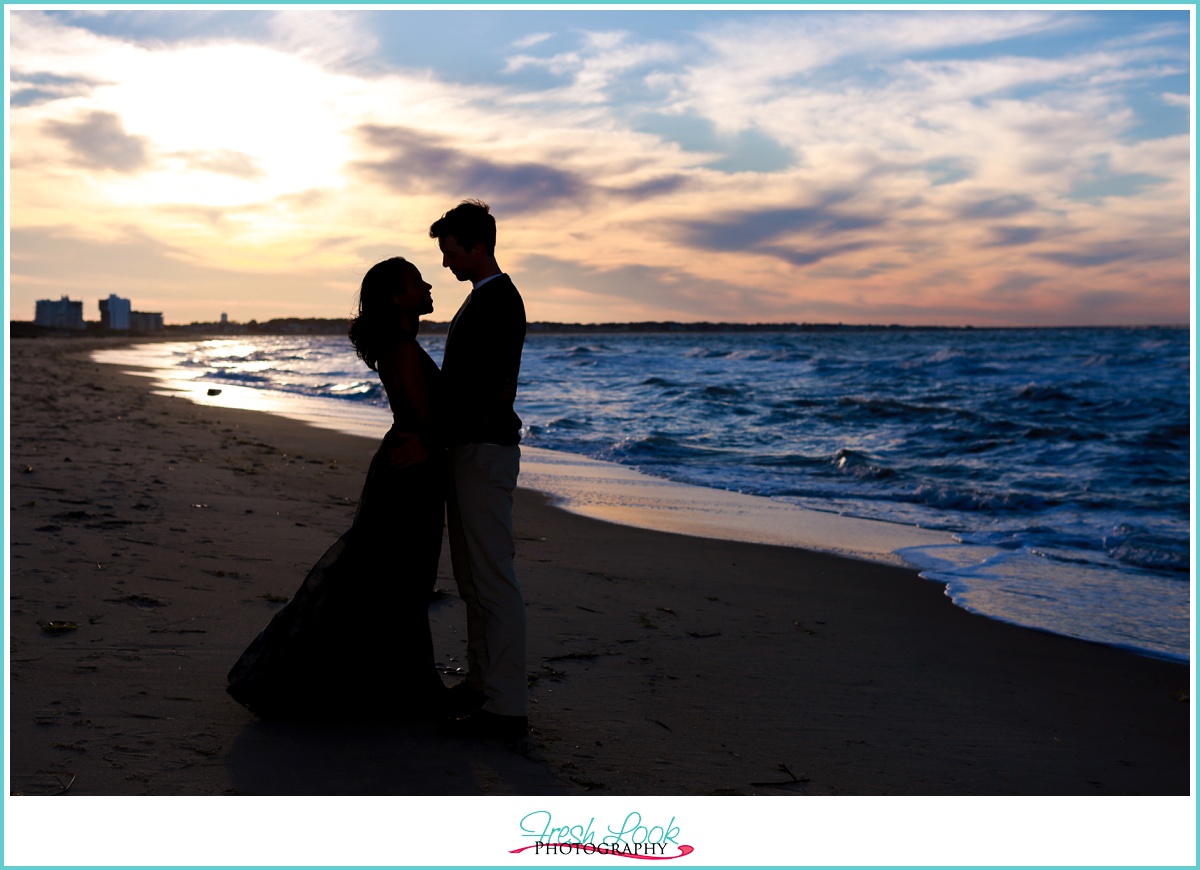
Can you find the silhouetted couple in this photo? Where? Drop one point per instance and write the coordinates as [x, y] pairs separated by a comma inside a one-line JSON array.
[[354, 641]]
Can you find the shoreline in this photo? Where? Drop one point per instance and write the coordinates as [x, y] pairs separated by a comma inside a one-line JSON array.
[[598, 489], [660, 664], [622, 494]]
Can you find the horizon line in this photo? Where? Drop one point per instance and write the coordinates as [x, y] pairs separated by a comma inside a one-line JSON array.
[[92, 326]]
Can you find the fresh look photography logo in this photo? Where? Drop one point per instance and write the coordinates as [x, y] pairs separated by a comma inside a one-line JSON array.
[[632, 838]]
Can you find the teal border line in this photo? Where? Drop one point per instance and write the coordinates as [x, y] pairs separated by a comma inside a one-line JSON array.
[[450, 5]]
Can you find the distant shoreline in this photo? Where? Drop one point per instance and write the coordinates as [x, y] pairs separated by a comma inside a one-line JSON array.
[[339, 326]]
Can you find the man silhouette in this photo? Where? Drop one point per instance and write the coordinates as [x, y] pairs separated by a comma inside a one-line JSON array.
[[479, 377]]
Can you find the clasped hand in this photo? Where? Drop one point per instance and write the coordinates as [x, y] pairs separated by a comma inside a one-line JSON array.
[[408, 451]]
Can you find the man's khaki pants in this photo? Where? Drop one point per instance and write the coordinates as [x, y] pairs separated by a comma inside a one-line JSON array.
[[479, 508]]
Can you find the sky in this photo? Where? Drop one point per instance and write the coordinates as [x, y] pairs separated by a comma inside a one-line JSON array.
[[960, 166]]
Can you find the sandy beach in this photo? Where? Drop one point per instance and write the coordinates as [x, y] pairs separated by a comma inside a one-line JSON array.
[[151, 539]]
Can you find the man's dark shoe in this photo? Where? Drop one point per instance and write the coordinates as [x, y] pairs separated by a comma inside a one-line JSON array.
[[462, 700], [487, 726]]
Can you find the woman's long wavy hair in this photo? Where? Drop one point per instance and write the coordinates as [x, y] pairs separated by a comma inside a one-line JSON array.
[[379, 321]]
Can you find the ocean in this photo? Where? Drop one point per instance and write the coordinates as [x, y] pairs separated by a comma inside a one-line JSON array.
[[1058, 459]]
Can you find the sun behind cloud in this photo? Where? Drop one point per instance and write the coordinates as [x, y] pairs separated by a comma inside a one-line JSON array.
[[986, 167]]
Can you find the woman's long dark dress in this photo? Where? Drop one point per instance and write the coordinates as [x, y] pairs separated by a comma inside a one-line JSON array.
[[354, 640]]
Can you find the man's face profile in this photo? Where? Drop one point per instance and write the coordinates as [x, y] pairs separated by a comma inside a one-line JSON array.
[[456, 258]]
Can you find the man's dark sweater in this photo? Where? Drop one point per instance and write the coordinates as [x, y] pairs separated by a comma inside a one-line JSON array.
[[480, 365]]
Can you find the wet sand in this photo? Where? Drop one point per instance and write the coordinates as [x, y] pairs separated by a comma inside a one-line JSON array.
[[659, 664]]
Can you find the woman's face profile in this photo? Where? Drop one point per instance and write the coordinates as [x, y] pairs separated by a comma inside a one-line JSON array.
[[414, 293]]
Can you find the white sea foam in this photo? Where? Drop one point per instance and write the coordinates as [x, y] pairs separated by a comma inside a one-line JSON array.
[[998, 465], [588, 487]]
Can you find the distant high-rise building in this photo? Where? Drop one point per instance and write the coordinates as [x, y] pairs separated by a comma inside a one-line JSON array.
[[63, 314], [114, 312], [145, 321], [224, 317]]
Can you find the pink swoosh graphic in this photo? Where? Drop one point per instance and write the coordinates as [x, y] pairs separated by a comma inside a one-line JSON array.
[[604, 850]]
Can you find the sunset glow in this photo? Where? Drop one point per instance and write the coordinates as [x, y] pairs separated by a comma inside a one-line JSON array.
[[957, 166]]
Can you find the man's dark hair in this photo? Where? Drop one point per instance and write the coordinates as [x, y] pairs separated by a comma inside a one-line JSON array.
[[471, 224]]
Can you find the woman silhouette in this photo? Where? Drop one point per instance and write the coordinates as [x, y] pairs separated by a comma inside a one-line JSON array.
[[354, 641]]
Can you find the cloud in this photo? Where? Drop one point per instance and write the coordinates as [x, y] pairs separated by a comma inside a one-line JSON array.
[[420, 162], [1105, 254], [1099, 179], [531, 40], [1016, 283], [335, 242], [1151, 33], [30, 89], [948, 171], [801, 255], [161, 27], [865, 166], [745, 64], [1101, 185], [751, 230], [595, 68], [996, 77], [997, 207], [662, 186], [224, 162], [748, 150], [1010, 236], [325, 37], [623, 292], [100, 142]]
